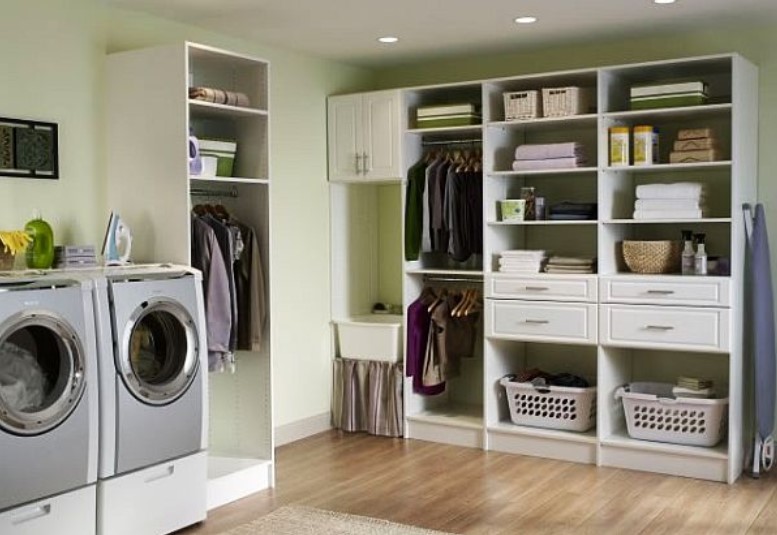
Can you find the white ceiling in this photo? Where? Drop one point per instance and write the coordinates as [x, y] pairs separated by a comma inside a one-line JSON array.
[[346, 30]]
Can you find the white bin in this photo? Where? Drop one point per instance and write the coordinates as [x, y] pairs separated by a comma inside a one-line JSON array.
[[371, 337]]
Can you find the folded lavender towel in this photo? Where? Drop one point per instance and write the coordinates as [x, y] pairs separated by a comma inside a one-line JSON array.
[[546, 151]]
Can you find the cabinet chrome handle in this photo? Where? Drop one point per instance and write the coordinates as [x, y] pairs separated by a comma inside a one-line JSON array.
[[365, 163], [536, 288], [536, 322], [358, 163], [660, 292], [659, 327]]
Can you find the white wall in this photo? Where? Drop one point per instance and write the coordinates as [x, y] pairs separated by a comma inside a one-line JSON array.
[[52, 69]]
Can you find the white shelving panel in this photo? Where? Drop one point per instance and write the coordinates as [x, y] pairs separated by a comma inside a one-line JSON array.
[[150, 186]]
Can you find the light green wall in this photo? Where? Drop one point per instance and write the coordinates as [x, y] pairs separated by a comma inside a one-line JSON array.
[[54, 72]]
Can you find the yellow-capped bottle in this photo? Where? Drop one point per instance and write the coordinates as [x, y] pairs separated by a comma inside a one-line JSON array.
[[40, 251]]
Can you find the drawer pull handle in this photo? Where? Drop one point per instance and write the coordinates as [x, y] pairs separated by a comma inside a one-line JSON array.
[[659, 328], [536, 288], [167, 472], [660, 292], [536, 322], [31, 514]]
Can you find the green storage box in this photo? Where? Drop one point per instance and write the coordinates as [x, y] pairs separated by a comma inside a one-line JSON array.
[[224, 151]]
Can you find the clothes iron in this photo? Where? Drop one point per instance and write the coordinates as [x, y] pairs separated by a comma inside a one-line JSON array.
[[118, 242]]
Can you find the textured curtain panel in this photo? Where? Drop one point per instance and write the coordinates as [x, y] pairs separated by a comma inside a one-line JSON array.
[[367, 396]]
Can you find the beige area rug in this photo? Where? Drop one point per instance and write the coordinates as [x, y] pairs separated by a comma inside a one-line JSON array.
[[298, 520]]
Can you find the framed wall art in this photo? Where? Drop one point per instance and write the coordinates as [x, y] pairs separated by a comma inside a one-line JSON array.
[[28, 149]]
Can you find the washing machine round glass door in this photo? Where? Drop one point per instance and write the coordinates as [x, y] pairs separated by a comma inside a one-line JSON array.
[[158, 361], [41, 372]]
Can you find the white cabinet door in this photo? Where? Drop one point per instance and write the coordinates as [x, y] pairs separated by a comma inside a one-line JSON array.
[[345, 136], [364, 136], [381, 135]]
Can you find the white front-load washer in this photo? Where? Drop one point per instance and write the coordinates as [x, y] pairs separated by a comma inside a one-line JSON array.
[[48, 405], [153, 407]]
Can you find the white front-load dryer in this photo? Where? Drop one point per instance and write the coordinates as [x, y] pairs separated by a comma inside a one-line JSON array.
[[48, 405], [153, 373]]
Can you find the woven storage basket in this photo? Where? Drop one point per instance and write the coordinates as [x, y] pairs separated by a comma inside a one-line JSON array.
[[522, 105], [696, 422], [563, 101], [551, 407], [652, 256], [7, 260]]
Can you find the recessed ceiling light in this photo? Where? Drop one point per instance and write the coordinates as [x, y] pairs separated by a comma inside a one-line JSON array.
[[388, 39], [526, 20], [664, 1]]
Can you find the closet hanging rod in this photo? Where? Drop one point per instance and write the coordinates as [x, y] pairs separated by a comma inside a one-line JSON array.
[[451, 141], [200, 192], [471, 279]]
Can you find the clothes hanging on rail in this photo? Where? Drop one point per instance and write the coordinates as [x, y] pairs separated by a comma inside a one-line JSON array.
[[227, 252]]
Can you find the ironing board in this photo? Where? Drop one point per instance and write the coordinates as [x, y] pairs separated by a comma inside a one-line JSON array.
[[763, 341]]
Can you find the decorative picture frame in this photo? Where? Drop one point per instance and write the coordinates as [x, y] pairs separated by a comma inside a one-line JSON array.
[[29, 149]]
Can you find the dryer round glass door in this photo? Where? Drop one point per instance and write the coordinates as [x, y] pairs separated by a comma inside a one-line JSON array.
[[158, 360], [41, 372]]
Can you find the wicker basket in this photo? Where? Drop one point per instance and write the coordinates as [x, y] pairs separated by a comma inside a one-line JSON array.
[[522, 105], [659, 256], [564, 101]]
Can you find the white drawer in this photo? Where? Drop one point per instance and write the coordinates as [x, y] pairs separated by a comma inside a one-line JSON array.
[[160, 499], [689, 329], [701, 291], [72, 513], [542, 287], [542, 322]]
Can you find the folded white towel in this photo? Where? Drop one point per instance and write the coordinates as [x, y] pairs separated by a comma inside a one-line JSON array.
[[667, 204], [677, 190], [525, 271], [544, 151], [553, 163], [524, 253], [667, 214]]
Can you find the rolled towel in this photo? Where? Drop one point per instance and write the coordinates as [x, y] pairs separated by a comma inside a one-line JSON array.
[[219, 96], [667, 214], [544, 151], [553, 163], [677, 190], [667, 204]]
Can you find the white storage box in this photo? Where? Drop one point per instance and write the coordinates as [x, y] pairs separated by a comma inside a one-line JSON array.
[[522, 105], [564, 101], [696, 422], [371, 337], [551, 407]]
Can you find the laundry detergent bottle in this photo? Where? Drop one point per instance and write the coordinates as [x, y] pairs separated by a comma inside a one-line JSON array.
[[40, 251]]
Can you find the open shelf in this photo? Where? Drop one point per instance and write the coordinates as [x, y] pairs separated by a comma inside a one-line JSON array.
[[589, 437], [662, 167], [228, 180], [675, 113], [211, 109], [467, 129], [459, 415], [545, 122], [544, 172], [542, 222], [622, 439]]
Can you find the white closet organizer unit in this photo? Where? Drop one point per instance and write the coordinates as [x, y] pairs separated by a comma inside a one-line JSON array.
[[150, 186], [598, 326]]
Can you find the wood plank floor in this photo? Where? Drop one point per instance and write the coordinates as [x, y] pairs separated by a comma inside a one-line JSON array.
[[469, 491]]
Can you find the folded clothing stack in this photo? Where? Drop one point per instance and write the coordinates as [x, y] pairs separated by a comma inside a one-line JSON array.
[[219, 96], [447, 115], [693, 387], [539, 377], [694, 145], [72, 256], [679, 200], [572, 211], [549, 156], [693, 93], [522, 261], [571, 265]]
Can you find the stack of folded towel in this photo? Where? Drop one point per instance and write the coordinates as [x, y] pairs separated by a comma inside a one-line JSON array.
[[522, 261], [695, 145], [693, 387], [572, 211], [549, 156], [219, 96], [571, 265], [681, 200]]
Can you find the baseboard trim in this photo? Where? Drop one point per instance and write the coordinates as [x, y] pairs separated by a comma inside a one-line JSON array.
[[304, 428]]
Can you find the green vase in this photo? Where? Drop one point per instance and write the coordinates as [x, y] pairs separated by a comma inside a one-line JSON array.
[[40, 251]]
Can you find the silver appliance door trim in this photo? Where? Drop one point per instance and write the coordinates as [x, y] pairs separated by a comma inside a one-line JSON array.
[[168, 391], [69, 393]]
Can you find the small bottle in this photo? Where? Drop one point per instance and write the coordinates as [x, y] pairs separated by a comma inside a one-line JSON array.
[[645, 145], [619, 146], [701, 255], [527, 194], [689, 255]]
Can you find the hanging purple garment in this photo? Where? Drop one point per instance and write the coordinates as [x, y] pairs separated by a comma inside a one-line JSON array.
[[418, 322], [763, 325]]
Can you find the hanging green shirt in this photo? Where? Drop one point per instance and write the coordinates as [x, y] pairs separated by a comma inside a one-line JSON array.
[[414, 210]]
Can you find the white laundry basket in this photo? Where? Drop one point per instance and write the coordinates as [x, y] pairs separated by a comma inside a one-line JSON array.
[[552, 407], [696, 422]]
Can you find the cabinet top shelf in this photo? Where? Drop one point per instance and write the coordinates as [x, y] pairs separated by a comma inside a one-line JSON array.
[[527, 172], [210, 109], [228, 180], [543, 121], [655, 168], [673, 113], [468, 129]]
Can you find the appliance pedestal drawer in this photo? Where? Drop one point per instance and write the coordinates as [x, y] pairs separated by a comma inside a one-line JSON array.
[[681, 328], [71, 513], [541, 321]]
